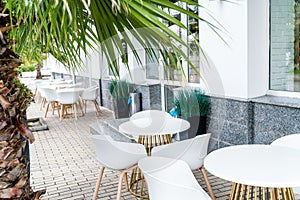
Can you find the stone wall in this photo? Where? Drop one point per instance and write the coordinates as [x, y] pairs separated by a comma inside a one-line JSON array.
[[256, 121]]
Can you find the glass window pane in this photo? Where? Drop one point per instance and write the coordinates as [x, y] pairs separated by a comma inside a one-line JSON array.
[[152, 65], [193, 41], [284, 45]]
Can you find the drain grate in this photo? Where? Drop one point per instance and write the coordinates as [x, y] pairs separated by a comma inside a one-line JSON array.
[[37, 124]]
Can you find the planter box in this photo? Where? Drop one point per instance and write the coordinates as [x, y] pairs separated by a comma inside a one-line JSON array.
[[121, 108], [198, 125], [29, 74]]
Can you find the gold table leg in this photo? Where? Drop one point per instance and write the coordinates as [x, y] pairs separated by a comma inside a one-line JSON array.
[[246, 192], [137, 185]]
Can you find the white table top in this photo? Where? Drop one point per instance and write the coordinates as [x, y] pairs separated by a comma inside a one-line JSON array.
[[256, 165], [80, 90], [154, 126]]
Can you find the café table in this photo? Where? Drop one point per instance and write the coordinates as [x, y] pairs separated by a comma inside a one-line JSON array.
[[257, 171], [150, 132]]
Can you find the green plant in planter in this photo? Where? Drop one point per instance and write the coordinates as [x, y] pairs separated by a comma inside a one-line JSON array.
[[120, 89], [191, 102]]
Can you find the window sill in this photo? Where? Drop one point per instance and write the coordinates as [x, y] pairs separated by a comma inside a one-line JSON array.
[[278, 101]]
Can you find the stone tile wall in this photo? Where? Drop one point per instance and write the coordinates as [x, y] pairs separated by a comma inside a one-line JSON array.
[[255, 121]]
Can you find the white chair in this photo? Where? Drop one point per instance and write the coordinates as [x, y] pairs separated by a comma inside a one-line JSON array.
[[117, 156], [68, 98], [168, 178], [37, 84], [77, 85], [41, 91], [192, 151], [91, 94], [292, 141], [51, 98]]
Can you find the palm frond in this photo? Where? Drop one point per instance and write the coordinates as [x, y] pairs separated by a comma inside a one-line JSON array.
[[66, 28]]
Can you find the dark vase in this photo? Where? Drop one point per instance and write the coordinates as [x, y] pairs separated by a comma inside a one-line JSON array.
[[121, 108], [198, 125]]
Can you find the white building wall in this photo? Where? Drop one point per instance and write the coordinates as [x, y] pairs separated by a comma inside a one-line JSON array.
[[54, 65], [228, 60], [243, 64], [258, 48]]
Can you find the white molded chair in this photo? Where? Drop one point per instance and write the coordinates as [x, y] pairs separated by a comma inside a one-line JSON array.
[[77, 85], [51, 98], [117, 156], [91, 94], [68, 97], [192, 151], [169, 178], [292, 141], [41, 91]]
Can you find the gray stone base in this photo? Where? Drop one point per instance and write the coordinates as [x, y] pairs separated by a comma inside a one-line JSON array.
[[255, 121]]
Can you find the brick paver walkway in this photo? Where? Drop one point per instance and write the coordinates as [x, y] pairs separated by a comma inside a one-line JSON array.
[[63, 160]]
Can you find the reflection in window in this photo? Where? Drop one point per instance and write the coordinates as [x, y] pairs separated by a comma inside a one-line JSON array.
[[284, 45], [193, 40], [152, 65], [173, 71]]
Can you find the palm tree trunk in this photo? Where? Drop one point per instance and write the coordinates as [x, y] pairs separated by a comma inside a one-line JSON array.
[[14, 100]]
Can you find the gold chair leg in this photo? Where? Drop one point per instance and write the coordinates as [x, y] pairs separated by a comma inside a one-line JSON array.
[[62, 111], [75, 110], [120, 186], [53, 107], [98, 183], [58, 109], [126, 181], [47, 108], [207, 183], [98, 110], [43, 103]]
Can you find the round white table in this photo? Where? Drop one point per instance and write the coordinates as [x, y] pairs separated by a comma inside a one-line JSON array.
[[154, 131], [258, 171], [150, 131]]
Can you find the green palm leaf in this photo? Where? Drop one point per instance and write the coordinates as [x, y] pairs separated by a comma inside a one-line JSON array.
[[67, 28]]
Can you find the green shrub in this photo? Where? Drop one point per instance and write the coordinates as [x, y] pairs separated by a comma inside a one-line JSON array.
[[120, 89], [191, 102], [23, 68]]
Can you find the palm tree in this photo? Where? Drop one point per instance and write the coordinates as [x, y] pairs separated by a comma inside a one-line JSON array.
[[65, 29], [14, 100]]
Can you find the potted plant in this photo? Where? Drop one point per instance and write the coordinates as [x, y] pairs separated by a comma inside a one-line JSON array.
[[119, 91], [192, 104]]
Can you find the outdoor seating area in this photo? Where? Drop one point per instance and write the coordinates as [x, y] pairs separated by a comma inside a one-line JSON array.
[[65, 97], [100, 157], [150, 100]]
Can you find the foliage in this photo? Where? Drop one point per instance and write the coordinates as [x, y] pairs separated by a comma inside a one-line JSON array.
[[191, 102], [68, 28], [120, 89], [26, 68]]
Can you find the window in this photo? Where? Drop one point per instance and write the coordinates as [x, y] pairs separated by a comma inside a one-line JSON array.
[[284, 45], [193, 41], [152, 65], [172, 71]]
